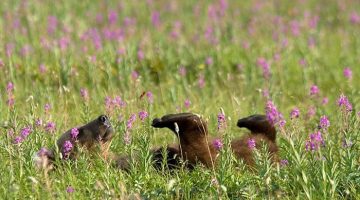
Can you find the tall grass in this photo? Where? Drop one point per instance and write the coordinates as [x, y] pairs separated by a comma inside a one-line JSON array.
[[212, 54]]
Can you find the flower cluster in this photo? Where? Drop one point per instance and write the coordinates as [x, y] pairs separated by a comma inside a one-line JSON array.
[[74, 133], [217, 144], [84, 94], [295, 113], [50, 127], [344, 103], [273, 115], [187, 103], [24, 133], [116, 102], [347, 73], [314, 142], [129, 124], [143, 115], [150, 96], [66, 149], [251, 143], [314, 90], [265, 66], [324, 122], [11, 98], [221, 121]]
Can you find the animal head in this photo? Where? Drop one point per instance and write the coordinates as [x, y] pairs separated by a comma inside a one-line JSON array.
[[100, 127], [182, 123], [258, 124]]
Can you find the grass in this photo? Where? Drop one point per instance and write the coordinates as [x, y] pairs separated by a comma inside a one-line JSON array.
[[87, 47]]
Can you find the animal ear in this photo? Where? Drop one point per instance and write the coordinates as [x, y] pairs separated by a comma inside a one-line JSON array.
[[103, 118]]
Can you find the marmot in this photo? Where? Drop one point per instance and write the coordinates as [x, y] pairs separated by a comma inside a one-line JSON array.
[[197, 147], [88, 136]]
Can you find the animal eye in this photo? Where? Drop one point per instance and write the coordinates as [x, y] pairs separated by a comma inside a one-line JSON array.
[[103, 118]]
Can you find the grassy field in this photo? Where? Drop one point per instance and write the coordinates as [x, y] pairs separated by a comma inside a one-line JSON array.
[[64, 63]]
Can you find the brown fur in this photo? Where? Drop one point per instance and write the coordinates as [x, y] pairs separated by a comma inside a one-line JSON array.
[[195, 146]]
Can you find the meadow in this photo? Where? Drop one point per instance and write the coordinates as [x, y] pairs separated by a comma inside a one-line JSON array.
[[64, 63]]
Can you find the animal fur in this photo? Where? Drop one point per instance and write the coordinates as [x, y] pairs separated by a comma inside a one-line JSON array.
[[95, 133], [195, 146]]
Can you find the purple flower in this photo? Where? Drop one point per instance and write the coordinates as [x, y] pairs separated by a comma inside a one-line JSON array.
[[295, 27], [354, 18], [9, 49], [52, 24], [314, 142], [140, 55], [182, 71], [218, 144], [251, 143], [273, 115], [84, 94], [118, 102], [134, 75], [209, 61], [201, 81], [25, 50], [295, 113], [155, 18], [112, 17], [282, 123], [10, 87], [221, 120], [74, 133], [47, 107], [344, 102], [284, 162], [130, 121], [311, 112], [324, 122], [50, 127], [302, 62], [325, 101], [187, 103], [18, 140], [64, 43], [150, 96], [25, 132], [264, 64], [108, 102], [42, 68], [11, 101], [347, 73], [265, 93], [66, 149], [38, 122], [70, 189], [143, 115], [314, 90]]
